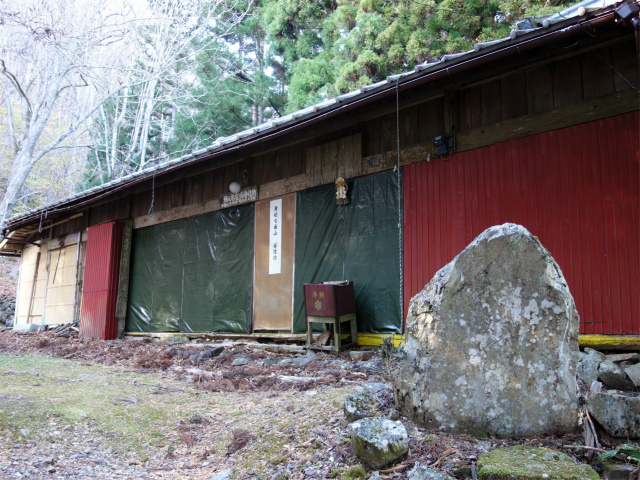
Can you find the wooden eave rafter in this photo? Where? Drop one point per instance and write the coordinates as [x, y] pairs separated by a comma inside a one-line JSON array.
[[13, 242]]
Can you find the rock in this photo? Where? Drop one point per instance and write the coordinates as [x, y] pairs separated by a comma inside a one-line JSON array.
[[299, 361], [25, 327], [196, 357], [422, 472], [226, 475], [588, 365], [525, 462], [212, 352], [281, 474], [618, 414], [366, 401], [360, 355], [371, 366], [240, 361], [613, 376], [484, 445], [631, 358], [616, 471], [378, 441], [633, 372], [492, 342]]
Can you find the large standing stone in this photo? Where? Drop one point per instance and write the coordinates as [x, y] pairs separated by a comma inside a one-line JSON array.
[[492, 342]]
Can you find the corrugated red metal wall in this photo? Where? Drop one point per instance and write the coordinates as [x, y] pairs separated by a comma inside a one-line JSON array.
[[100, 290], [576, 189]]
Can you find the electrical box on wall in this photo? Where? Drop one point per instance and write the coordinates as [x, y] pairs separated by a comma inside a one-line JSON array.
[[442, 145]]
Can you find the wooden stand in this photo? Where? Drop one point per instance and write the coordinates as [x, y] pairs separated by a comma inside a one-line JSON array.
[[337, 337]]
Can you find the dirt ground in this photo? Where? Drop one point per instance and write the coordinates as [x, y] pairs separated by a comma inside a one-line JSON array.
[[74, 408]]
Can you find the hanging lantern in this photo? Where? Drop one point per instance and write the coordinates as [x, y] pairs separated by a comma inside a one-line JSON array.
[[341, 191]]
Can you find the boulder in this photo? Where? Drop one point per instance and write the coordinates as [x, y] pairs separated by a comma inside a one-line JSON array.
[[378, 441], [618, 414], [370, 400], [633, 372], [588, 365], [613, 376], [422, 472], [531, 463], [616, 471], [492, 342]]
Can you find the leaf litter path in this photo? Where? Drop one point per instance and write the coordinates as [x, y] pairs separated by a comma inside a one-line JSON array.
[[72, 408]]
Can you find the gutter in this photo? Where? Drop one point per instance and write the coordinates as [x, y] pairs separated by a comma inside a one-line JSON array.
[[495, 52]]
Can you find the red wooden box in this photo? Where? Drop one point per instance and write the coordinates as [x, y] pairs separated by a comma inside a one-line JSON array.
[[329, 299]]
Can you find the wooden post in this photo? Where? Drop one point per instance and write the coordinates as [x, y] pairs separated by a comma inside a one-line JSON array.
[[75, 290], [123, 279], [33, 289], [46, 288]]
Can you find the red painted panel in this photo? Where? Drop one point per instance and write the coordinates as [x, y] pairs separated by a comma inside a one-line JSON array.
[[577, 189], [100, 291]]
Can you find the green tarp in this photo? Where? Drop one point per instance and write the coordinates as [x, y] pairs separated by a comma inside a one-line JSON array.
[[359, 242], [193, 275]]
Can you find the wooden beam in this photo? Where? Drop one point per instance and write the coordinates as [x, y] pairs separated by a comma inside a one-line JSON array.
[[177, 213], [282, 187], [611, 342], [587, 111], [54, 224]]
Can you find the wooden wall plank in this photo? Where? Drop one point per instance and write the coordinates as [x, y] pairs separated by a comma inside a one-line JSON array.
[[567, 82], [475, 106], [408, 126], [217, 186], [165, 204], [269, 168], [314, 167], [539, 89], [342, 146], [513, 96], [597, 75], [624, 59], [329, 162], [491, 102], [282, 159], [177, 194], [256, 170], [464, 110], [296, 165]]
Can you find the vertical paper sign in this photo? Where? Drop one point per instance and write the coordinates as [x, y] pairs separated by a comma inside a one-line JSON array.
[[275, 237]]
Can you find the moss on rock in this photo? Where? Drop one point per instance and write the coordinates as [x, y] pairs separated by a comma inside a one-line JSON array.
[[531, 463]]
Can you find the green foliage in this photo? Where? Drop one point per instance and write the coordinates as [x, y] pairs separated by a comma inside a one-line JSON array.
[[329, 47], [286, 55], [631, 451]]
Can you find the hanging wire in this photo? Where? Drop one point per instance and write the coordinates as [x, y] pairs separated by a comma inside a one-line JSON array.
[[153, 191], [399, 178], [616, 71]]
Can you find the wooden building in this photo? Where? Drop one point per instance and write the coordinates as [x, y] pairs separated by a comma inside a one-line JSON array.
[[539, 129]]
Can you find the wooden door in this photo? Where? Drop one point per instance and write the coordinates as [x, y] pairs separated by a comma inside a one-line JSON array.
[[273, 279]]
